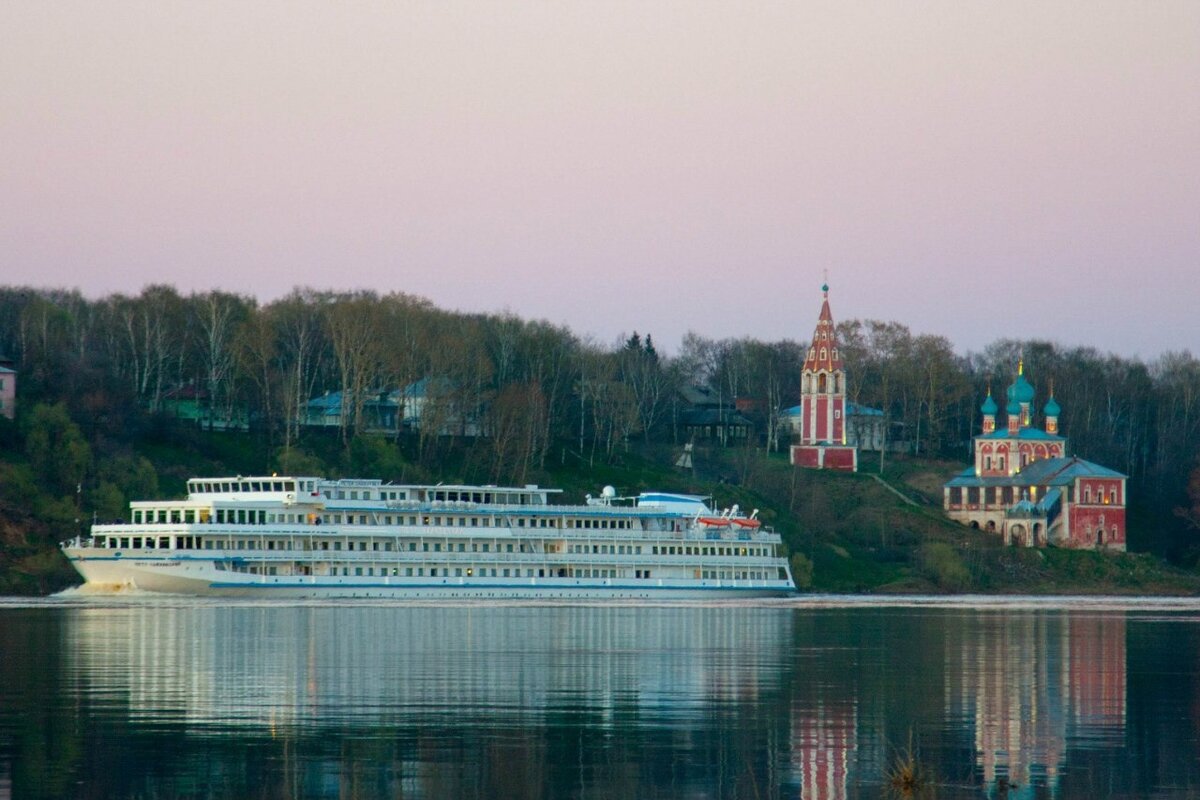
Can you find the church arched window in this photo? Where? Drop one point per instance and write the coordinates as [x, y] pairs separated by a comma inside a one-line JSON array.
[[1087, 494], [823, 353], [835, 354], [821, 383]]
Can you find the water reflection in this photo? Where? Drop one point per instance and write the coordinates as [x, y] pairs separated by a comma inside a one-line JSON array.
[[319, 666], [1028, 684], [351, 701]]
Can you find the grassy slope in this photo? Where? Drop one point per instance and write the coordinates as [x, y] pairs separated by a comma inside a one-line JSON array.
[[859, 536]]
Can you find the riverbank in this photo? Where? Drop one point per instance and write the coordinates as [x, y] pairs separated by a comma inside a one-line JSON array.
[[879, 533]]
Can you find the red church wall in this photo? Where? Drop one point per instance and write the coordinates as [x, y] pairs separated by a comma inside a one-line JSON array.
[[1087, 518], [806, 456], [825, 457], [845, 458]]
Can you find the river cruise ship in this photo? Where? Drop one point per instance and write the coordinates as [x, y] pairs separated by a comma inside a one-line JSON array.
[[310, 537]]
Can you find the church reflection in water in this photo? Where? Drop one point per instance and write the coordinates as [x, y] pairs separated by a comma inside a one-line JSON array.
[[1031, 685], [612, 702]]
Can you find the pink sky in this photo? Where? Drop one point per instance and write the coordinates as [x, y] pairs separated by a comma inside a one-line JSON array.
[[972, 170]]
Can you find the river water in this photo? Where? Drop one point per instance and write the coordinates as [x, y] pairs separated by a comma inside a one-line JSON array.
[[152, 697]]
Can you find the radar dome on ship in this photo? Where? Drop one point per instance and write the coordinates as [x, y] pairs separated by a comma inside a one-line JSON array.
[[609, 492]]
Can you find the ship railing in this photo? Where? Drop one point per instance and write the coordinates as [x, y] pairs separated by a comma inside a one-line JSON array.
[[474, 559], [450, 532]]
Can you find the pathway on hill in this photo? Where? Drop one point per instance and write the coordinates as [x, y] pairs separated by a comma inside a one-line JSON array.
[[895, 491]]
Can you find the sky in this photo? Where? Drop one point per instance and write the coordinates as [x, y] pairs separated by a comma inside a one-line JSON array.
[[974, 170]]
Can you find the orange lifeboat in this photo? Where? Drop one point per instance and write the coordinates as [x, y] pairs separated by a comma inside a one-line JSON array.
[[715, 522], [747, 523]]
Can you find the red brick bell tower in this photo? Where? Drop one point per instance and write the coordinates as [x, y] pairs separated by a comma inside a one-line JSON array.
[[822, 440]]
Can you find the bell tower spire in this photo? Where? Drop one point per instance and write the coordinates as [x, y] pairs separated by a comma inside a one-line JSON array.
[[823, 383], [822, 442]]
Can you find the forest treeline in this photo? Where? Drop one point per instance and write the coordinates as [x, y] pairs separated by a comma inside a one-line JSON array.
[[538, 390]]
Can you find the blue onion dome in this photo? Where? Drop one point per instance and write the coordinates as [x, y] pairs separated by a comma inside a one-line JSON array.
[[1052, 408], [1014, 408], [989, 406], [1022, 390]]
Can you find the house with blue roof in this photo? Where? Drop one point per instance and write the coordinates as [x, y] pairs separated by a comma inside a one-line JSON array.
[[1025, 488], [8, 388], [423, 403], [866, 427]]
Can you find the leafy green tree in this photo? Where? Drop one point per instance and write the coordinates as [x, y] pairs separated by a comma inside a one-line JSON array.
[[57, 451], [802, 570], [944, 566]]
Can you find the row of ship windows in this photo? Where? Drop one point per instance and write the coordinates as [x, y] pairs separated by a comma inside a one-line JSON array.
[[241, 516], [440, 496], [492, 572], [198, 543], [207, 487], [229, 487]]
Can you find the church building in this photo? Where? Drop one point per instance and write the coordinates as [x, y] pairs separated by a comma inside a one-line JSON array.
[[822, 410], [1024, 487]]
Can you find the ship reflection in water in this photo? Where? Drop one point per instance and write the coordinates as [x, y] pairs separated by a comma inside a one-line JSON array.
[[342, 665], [341, 700]]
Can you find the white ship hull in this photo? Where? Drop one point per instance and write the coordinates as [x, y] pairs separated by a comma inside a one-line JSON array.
[[172, 576]]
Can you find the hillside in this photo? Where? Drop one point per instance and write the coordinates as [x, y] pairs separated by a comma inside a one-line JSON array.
[[844, 533]]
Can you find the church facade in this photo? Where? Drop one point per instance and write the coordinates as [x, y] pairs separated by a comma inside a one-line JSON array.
[[821, 415], [1025, 488]]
